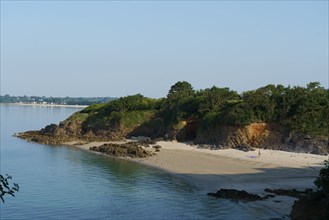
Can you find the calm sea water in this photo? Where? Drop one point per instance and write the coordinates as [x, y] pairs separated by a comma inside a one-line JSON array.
[[59, 182]]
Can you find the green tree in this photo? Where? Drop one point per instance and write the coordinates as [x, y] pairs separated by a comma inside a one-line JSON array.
[[214, 98], [237, 114], [262, 102], [179, 97], [308, 108], [179, 90]]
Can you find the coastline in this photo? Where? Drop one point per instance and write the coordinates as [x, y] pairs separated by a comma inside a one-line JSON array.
[[211, 170], [48, 105]]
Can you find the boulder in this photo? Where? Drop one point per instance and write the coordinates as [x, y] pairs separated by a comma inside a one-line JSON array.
[[244, 147], [129, 149], [287, 192], [313, 206], [235, 194]]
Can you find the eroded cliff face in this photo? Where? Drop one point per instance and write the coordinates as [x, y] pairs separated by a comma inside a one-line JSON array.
[[251, 135], [263, 135], [256, 135]]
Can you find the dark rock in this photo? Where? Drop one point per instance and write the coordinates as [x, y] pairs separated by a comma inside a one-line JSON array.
[[287, 192], [49, 129], [301, 143], [268, 196], [243, 195], [244, 148], [313, 206], [235, 194], [129, 149]]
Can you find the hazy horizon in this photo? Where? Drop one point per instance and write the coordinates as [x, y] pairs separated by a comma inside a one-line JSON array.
[[239, 92], [115, 49]]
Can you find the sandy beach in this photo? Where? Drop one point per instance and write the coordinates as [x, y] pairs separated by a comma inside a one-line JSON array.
[[211, 170]]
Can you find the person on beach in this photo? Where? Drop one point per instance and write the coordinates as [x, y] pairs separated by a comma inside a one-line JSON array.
[[259, 153]]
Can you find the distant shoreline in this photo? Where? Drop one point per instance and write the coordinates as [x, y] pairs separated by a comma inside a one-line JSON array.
[[48, 105]]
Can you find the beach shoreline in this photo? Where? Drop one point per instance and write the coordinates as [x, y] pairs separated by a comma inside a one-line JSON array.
[[211, 170]]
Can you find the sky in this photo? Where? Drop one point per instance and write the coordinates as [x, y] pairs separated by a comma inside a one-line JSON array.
[[120, 48]]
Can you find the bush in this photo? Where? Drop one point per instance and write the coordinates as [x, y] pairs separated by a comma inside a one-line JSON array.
[[322, 181], [5, 187]]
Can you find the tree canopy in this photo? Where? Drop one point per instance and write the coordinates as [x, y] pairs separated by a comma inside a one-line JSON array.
[[304, 109]]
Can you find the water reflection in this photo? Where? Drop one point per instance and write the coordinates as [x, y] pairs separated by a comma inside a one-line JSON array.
[[60, 182]]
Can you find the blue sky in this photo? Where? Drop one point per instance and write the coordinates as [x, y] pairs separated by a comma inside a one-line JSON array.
[[112, 48]]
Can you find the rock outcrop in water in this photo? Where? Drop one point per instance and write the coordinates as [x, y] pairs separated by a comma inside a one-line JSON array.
[[243, 195], [129, 149], [235, 195]]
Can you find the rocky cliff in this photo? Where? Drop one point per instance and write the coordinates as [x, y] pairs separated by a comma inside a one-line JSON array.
[[296, 119], [263, 135], [256, 135]]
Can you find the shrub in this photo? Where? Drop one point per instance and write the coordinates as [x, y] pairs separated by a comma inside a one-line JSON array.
[[5, 187], [322, 181]]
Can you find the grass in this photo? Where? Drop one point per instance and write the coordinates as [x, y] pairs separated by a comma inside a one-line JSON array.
[[133, 119]]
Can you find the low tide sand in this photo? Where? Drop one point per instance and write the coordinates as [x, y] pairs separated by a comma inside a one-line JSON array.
[[211, 170]]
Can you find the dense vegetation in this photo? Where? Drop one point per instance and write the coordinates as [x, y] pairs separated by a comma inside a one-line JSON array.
[[273, 116], [129, 112], [302, 109], [54, 100]]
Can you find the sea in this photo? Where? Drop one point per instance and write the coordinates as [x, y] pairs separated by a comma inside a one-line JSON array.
[[63, 182]]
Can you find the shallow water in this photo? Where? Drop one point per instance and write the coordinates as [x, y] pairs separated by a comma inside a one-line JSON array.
[[60, 182]]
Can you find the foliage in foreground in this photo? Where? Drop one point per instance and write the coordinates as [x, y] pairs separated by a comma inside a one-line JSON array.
[[314, 205], [6, 188], [322, 181]]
